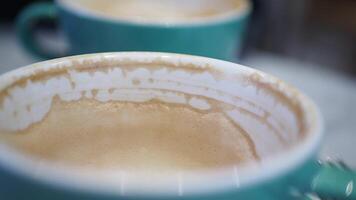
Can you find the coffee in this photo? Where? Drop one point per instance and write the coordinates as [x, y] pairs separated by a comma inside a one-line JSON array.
[[166, 11], [145, 114], [134, 136]]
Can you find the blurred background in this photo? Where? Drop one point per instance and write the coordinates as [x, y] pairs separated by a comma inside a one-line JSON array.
[[309, 43], [317, 31]]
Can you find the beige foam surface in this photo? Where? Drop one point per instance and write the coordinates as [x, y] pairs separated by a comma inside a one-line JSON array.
[[132, 136]]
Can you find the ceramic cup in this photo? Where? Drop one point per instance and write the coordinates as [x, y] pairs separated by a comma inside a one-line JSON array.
[[278, 112], [89, 32]]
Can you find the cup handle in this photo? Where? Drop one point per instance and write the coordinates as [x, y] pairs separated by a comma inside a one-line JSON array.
[[27, 23], [335, 180]]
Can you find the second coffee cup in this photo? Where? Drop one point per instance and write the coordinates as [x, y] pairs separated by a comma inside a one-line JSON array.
[[201, 27]]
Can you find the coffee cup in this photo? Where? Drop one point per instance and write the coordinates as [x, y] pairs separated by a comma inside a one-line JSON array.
[[139, 125], [201, 27]]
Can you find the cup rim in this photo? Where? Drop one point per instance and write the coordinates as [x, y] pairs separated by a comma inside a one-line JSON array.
[[208, 21], [251, 174]]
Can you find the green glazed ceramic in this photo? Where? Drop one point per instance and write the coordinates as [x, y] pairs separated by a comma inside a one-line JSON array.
[[291, 173], [88, 32]]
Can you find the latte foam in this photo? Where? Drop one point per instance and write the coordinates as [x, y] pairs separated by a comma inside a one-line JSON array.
[[166, 11], [134, 136]]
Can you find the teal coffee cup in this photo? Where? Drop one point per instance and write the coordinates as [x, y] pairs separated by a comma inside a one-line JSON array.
[[276, 129], [202, 27]]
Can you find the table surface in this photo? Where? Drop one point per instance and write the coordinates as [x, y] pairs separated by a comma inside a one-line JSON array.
[[333, 92]]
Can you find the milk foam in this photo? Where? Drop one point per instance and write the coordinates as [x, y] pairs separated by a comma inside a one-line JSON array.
[[249, 117], [134, 136], [167, 11]]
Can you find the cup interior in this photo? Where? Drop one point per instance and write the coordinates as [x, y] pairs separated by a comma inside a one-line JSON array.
[[160, 12], [282, 123]]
